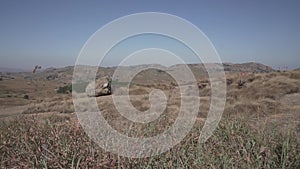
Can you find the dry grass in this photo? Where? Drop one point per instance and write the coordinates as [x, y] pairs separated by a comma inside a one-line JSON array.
[[62, 104], [60, 142], [260, 129]]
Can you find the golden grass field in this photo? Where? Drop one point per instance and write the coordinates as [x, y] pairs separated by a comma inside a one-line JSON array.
[[260, 125]]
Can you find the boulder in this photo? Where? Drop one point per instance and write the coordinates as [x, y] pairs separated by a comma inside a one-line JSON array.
[[99, 87]]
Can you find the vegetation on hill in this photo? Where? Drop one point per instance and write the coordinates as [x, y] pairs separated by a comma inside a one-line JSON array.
[[65, 89]]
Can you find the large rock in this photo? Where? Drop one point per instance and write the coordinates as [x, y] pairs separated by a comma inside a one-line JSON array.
[[99, 87]]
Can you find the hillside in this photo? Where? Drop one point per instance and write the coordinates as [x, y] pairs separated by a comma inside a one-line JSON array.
[[259, 128]]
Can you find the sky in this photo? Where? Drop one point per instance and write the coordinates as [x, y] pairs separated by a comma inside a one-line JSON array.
[[52, 33]]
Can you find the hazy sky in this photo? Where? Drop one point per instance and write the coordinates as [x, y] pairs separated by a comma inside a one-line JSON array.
[[52, 33]]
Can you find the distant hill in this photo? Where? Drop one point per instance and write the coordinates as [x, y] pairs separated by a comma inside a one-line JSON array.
[[65, 74], [297, 68], [4, 69], [247, 67]]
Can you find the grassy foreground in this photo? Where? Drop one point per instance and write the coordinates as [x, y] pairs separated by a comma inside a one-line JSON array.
[[58, 142]]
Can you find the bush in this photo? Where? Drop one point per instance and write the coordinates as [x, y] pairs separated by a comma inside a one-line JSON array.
[[80, 87], [65, 89], [26, 97]]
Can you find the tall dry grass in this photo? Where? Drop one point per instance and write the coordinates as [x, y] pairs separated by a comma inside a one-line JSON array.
[[60, 142]]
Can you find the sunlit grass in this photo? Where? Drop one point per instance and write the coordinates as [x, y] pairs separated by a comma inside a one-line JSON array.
[[60, 142]]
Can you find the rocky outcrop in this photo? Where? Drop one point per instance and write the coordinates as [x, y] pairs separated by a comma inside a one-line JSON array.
[[99, 87]]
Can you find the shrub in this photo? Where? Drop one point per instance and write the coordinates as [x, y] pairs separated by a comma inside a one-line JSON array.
[[80, 87], [65, 89], [26, 97]]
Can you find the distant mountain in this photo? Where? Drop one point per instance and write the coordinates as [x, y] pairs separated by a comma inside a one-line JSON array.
[[4, 69], [65, 74], [297, 68], [247, 67]]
